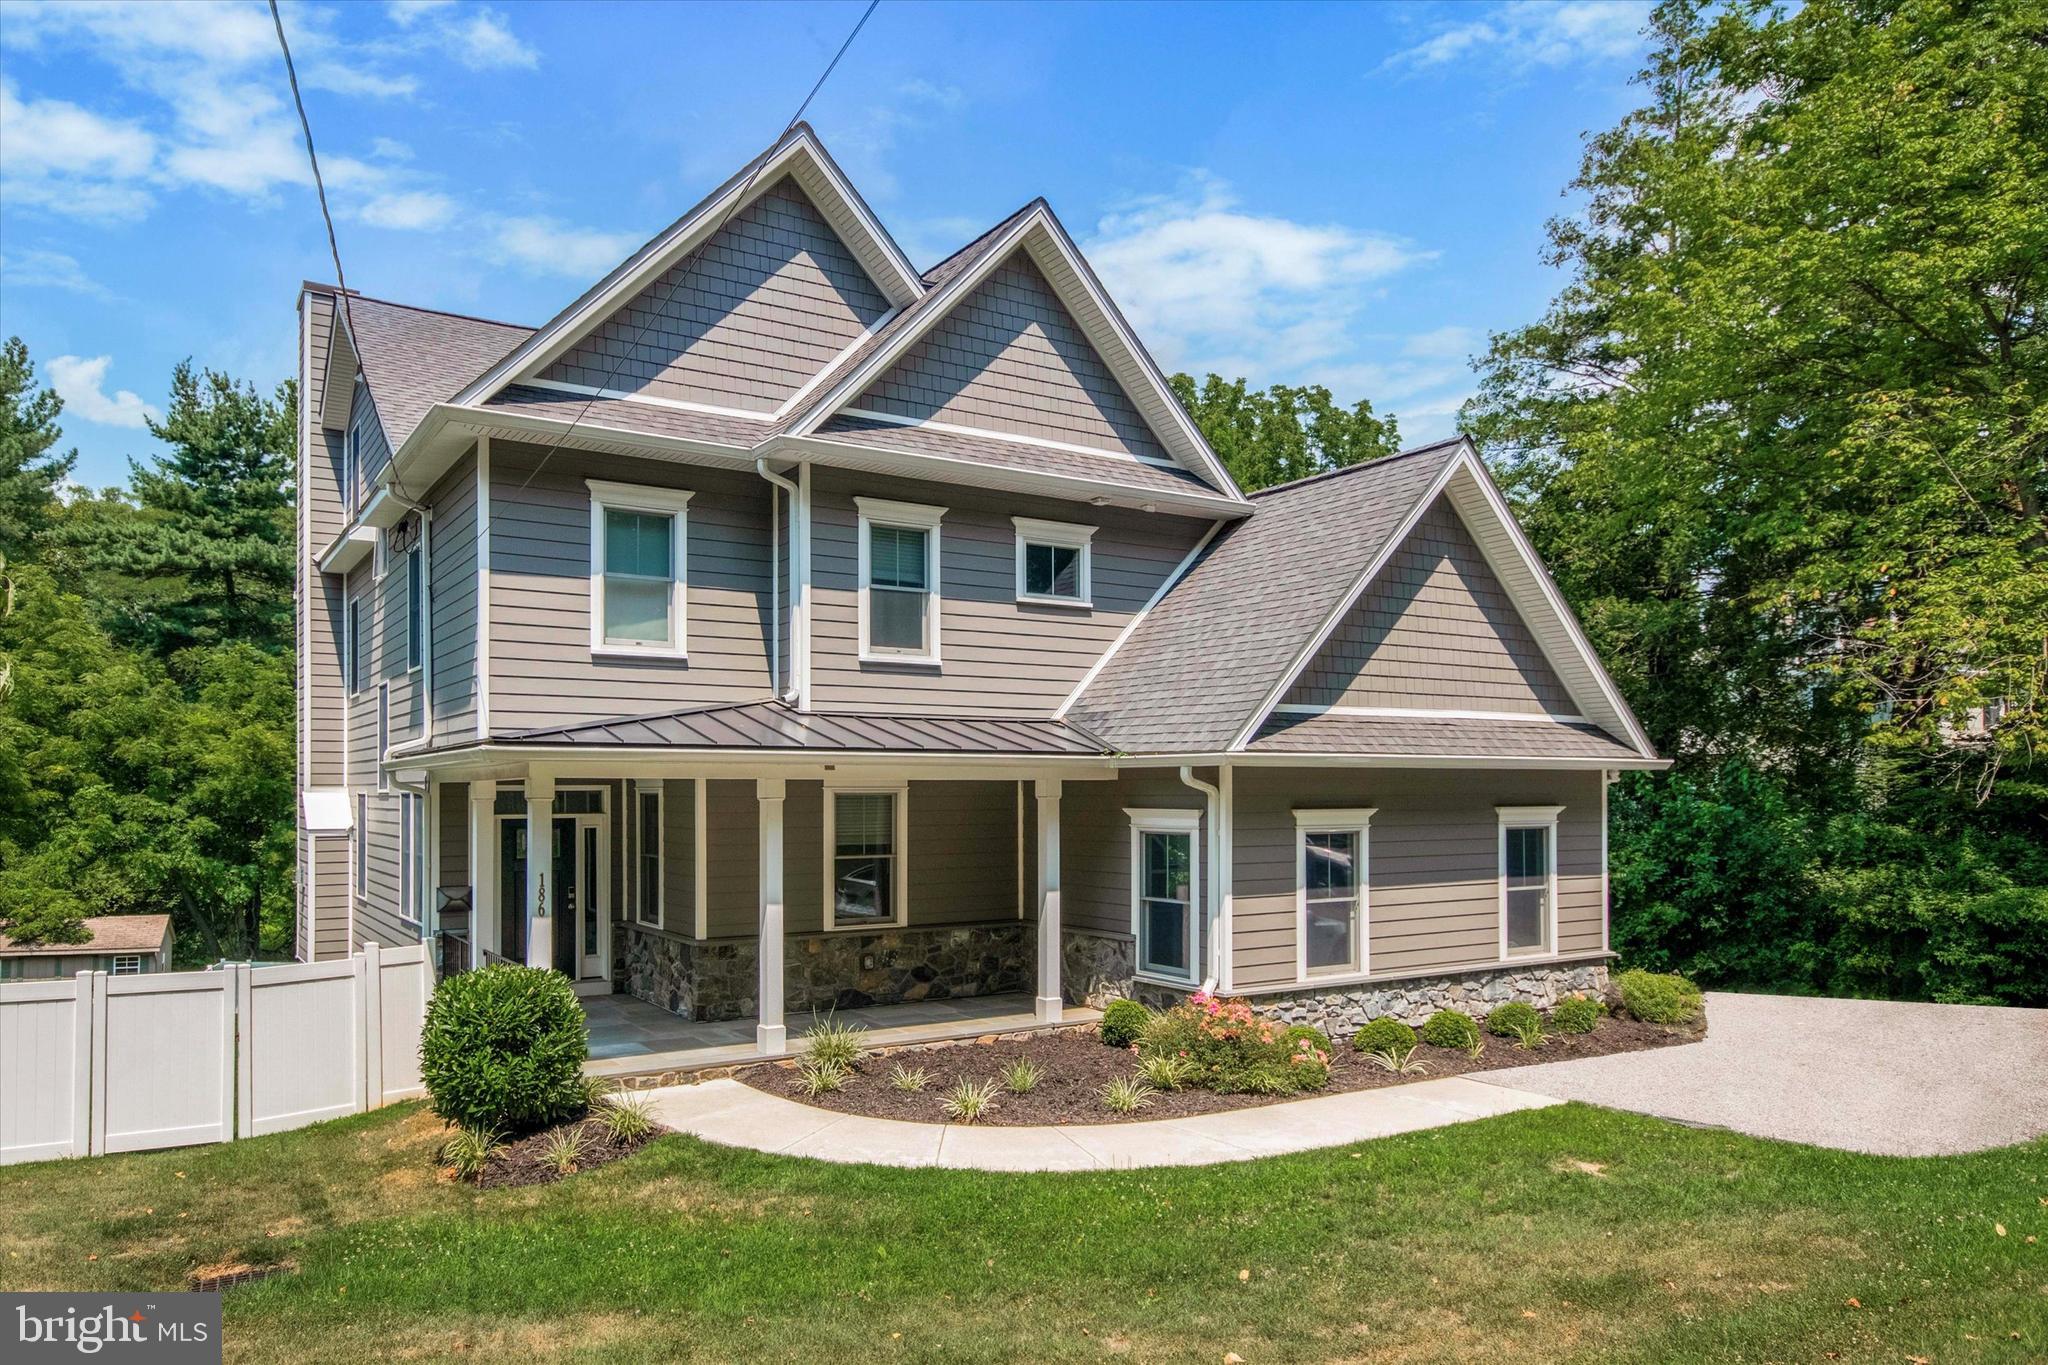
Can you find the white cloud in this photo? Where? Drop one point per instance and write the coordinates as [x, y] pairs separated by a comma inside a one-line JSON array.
[[1213, 287], [547, 247], [1442, 343], [57, 155], [478, 38], [1528, 33], [80, 382], [411, 210], [35, 268]]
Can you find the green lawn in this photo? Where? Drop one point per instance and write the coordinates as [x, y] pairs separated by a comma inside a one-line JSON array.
[[1560, 1234]]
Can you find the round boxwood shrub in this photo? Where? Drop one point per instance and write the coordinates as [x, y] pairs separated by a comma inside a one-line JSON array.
[[1122, 1022], [1508, 1020], [502, 1050], [1384, 1035], [1659, 997], [1451, 1028], [1577, 1014]]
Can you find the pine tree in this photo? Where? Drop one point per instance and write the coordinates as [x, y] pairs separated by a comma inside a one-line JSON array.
[[29, 474]]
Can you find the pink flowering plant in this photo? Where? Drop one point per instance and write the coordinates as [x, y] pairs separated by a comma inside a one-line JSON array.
[[1226, 1047]]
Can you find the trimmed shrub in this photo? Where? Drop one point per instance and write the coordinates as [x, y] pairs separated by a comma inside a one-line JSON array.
[[1123, 1022], [1230, 1049], [1316, 1037], [1659, 997], [1452, 1029], [1577, 1014], [1508, 1020], [1384, 1035], [502, 1050]]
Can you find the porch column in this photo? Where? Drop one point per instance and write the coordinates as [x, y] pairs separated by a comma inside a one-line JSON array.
[[484, 930], [1049, 997], [540, 827], [769, 1034]]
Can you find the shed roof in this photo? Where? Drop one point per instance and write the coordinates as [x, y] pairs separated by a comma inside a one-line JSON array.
[[110, 934]]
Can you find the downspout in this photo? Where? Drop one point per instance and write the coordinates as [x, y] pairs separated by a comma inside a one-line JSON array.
[[1215, 899], [780, 482]]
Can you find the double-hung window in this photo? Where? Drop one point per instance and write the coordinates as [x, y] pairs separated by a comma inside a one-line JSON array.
[[1053, 567], [1166, 891], [864, 837], [639, 553], [1528, 880], [647, 854], [899, 581], [1331, 881]]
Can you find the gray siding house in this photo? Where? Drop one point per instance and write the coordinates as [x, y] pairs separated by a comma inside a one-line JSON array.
[[846, 634]]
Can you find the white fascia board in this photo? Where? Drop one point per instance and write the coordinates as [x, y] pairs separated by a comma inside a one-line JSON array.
[[1344, 601], [541, 349], [1279, 759]]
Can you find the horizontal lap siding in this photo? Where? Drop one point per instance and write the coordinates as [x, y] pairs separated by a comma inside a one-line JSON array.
[[362, 705], [377, 917], [330, 897], [320, 595], [1434, 855], [542, 669], [394, 663], [453, 834], [732, 877], [678, 855], [1095, 843], [1434, 631], [453, 574], [963, 852], [1000, 657]]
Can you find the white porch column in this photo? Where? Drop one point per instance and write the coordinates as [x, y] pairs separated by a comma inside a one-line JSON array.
[[484, 929], [770, 1036], [1049, 997], [540, 828]]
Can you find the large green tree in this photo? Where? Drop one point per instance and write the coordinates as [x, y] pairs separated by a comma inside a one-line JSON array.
[[1780, 437], [1285, 432], [29, 474]]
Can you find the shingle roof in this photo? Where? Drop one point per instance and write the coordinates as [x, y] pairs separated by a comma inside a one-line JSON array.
[[1012, 454], [414, 358], [776, 725], [110, 934], [1445, 737], [628, 414], [1189, 678]]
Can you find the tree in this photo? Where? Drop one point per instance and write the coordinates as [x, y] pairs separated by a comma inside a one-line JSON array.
[[29, 474], [211, 555], [1283, 433]]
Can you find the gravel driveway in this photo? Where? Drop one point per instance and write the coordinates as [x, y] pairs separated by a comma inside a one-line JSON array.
[[1861, 1075]]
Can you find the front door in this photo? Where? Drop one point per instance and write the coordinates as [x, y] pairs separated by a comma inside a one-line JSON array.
[[576, 899]]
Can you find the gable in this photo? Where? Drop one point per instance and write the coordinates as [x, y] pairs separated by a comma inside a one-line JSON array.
[[744, 321], [1010, 359], [1434, 631]]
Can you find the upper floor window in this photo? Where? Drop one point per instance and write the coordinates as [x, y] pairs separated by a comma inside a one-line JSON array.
[[1528, 879], [415, 606], [353, 643], [1053, 565], [639, 550], [899, 581]]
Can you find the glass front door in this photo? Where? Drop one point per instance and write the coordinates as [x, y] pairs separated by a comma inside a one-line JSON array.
[[574, 894]]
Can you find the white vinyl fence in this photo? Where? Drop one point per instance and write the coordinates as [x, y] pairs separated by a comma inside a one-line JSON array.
[[120, 1063]]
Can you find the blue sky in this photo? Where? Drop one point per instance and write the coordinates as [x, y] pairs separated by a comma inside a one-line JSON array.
[[1349, 195]]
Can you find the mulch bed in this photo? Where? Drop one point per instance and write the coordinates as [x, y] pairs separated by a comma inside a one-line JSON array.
[[522, 1161], [1073, 1066]]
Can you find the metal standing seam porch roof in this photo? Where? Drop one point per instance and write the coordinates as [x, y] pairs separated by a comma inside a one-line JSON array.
[[777, 725]]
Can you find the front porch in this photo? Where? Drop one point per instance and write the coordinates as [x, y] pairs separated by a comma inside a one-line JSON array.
[[630, 1037]]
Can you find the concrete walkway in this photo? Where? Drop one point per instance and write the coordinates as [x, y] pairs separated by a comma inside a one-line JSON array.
[[736, 1115], [1898, 1079]]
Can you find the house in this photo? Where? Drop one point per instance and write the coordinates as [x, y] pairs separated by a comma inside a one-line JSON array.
[[120, 945], [849, 634]]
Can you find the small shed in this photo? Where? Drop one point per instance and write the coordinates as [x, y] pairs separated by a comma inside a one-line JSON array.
[[121, 945]]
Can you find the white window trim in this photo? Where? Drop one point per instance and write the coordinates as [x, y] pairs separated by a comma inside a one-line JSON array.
[[416, 602], [1336, 820], [900, 896], [633, 497], [640, 792], [1066, 535], [914, 517], [134, 967], [1166, 820], [351, 629], [1528, 817]]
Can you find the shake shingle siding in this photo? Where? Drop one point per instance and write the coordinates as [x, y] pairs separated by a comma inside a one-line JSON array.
[[1010, 358], [454, 598], [542, 669], [743, 321], [1434, 857], [1435, 630], [1000, 656], [1191, 676]]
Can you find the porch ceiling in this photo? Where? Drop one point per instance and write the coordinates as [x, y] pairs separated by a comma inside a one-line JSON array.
[[774, 725]]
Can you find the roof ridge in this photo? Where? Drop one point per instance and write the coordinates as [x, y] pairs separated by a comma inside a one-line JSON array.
[[997, 227], [360, 297], [1354, 468]]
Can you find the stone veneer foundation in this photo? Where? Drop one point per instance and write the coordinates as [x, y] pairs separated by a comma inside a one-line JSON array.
[[1096, 968], [717, 980], [1341, 1011]]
